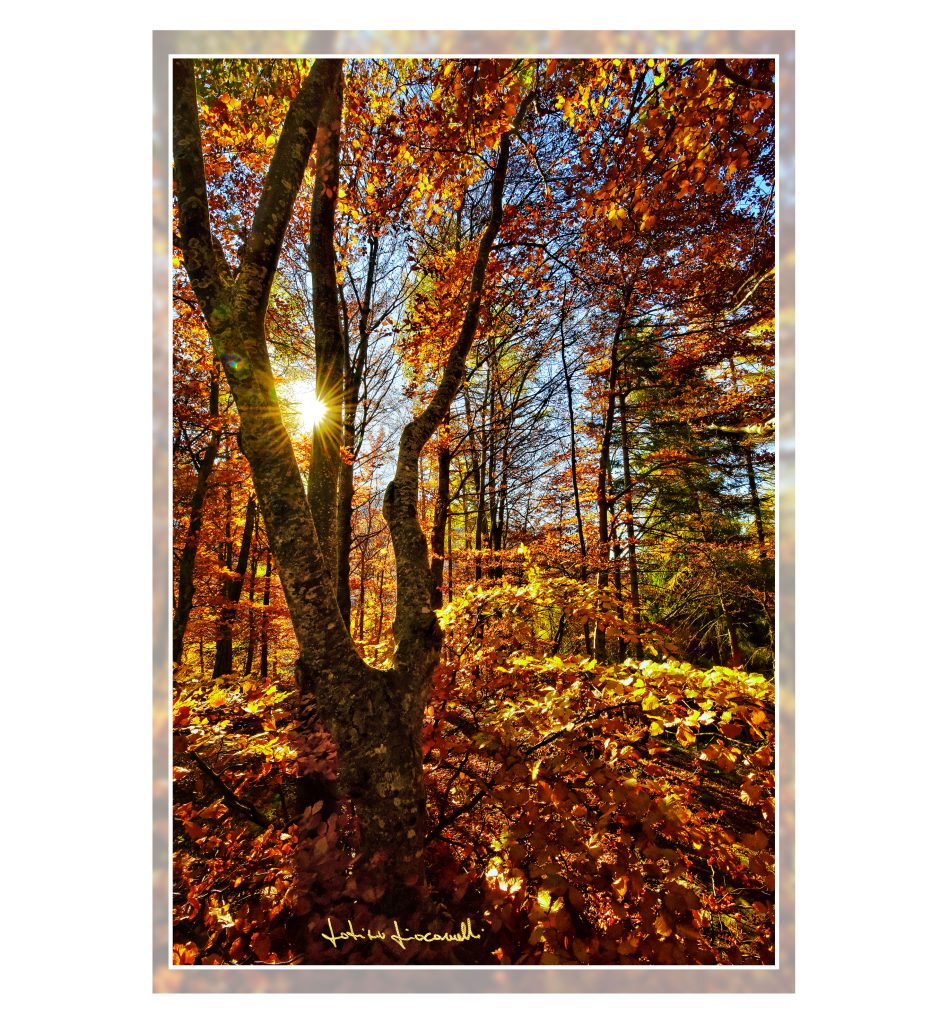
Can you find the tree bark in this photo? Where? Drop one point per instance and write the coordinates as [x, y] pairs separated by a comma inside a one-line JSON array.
[[264, 619], [185, 602], [230, 596], [583, 567], [630, 529], [330, 349], [604, 476], [251, 616], [440, 522], [355, 372]]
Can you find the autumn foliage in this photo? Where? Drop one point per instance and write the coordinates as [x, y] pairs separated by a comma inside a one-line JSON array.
[[598, 740]]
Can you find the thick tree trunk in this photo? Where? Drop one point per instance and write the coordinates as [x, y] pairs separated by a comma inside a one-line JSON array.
[[374, 717]]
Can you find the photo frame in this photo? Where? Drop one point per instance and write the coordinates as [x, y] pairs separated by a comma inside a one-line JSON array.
[[480, 978]]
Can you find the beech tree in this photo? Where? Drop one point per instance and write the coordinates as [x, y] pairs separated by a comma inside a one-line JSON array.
[[374, 716]]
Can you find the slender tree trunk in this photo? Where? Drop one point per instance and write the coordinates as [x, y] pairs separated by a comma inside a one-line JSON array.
[[265, 619], [450, 561], [355, 371], [251, 617], [477, 478], [583, 567], [224, 655], [604, 477], [440, 521], [617, 579], [381, 618], [362, 594], [755, 504], [767, 602], [185, 601], [630, 529], [751, 481]]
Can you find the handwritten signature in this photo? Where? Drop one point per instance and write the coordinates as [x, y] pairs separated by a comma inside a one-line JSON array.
[[465, 933]]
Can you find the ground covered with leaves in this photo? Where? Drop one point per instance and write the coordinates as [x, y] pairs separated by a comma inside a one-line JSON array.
[[579, 813]]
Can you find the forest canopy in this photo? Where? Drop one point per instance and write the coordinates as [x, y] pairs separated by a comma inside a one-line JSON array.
[[473, 549]]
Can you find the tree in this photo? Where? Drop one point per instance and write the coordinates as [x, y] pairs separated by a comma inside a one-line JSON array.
[[373, 716]]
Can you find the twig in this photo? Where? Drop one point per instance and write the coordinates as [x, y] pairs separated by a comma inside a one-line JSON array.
[[230, 798]]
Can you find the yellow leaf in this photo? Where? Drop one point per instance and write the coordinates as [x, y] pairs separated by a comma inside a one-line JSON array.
[[662, 926], [685, 736]]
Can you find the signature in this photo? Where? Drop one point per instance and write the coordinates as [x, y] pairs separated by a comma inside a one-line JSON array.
[[396, 935]]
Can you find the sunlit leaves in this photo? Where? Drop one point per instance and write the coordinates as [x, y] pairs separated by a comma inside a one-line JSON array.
[[564, 757]]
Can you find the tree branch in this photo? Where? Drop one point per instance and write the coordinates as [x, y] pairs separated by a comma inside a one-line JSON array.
[[194, 227], [738, 79], [282, 184], [416, 629], [230, 798], [330, 348]]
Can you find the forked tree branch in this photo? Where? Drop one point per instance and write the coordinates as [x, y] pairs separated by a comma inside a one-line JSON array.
[[416, 630]]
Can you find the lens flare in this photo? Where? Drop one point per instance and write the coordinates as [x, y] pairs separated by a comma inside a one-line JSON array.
[[306, 404]]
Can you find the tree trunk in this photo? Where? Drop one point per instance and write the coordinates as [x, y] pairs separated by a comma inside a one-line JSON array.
[[604, 476], [617, 579], [355, 371], [251, 617], [630, 529], [440, 522], [230, 595], [185, 602], [583, 568], [450, 561], [330, 349], [374, 717], [264, 619]]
